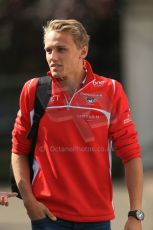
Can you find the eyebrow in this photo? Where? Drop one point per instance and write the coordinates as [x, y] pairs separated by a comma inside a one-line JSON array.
[[55, 46]]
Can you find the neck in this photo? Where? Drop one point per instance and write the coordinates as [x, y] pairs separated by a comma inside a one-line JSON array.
[[72, 84]]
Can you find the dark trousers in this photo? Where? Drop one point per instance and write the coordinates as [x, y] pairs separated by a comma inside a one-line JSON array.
[[60, 224]]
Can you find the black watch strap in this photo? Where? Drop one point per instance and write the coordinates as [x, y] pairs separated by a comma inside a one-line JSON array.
[[138, 214]]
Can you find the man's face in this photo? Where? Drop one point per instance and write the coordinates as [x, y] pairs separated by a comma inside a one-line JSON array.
[[63, 56]]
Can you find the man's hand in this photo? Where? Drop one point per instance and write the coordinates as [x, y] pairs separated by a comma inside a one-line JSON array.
[[36, 210], [4, 196], [133, 224]]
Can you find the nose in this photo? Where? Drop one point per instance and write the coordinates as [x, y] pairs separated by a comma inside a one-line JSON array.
[[53, 55]]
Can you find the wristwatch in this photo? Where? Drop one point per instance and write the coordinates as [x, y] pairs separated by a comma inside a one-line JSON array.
[[138, 214]]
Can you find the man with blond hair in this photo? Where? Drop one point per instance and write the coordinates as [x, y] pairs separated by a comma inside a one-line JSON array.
[[72, 186]]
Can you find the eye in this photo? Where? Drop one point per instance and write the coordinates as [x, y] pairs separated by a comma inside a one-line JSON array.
[[61, 49], [48, 50]]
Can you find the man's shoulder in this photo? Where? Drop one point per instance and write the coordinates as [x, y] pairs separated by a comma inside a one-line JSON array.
[[31, 82], [30, 85]]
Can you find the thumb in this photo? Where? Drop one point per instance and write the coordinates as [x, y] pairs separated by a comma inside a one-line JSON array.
[[51, 215], [12, 194]]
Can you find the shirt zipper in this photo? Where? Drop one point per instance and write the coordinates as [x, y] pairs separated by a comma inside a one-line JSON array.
[[68, 102]]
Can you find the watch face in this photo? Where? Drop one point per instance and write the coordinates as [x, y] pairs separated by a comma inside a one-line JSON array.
[[140, 215]]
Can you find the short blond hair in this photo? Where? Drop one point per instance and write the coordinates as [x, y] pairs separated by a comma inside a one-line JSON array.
[[72, 26]]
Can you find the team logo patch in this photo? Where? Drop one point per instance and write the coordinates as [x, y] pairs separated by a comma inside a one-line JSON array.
[[91, 98]]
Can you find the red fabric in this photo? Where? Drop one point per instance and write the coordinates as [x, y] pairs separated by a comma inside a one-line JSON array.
[[73, 148]]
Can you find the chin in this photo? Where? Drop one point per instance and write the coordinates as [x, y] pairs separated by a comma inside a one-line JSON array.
[[56, 75]]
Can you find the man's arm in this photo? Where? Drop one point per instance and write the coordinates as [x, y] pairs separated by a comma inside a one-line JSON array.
[[134, 181], [35, 209]]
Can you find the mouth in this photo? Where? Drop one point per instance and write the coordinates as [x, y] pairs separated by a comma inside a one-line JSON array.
[[55, 70], [55, 66]]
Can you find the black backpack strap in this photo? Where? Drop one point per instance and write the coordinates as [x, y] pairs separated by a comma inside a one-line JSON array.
[[43, 94]]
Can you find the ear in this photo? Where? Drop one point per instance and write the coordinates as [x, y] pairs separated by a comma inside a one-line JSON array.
[[84, 52]]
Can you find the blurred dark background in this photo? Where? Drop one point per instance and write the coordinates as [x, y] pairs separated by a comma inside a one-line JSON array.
[[22, 55]]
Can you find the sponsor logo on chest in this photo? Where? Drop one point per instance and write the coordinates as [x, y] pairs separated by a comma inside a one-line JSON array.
[[91, 98], [98, 83], [54, 98]]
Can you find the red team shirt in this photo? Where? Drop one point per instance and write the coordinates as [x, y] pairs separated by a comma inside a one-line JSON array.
[[72, 166]]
